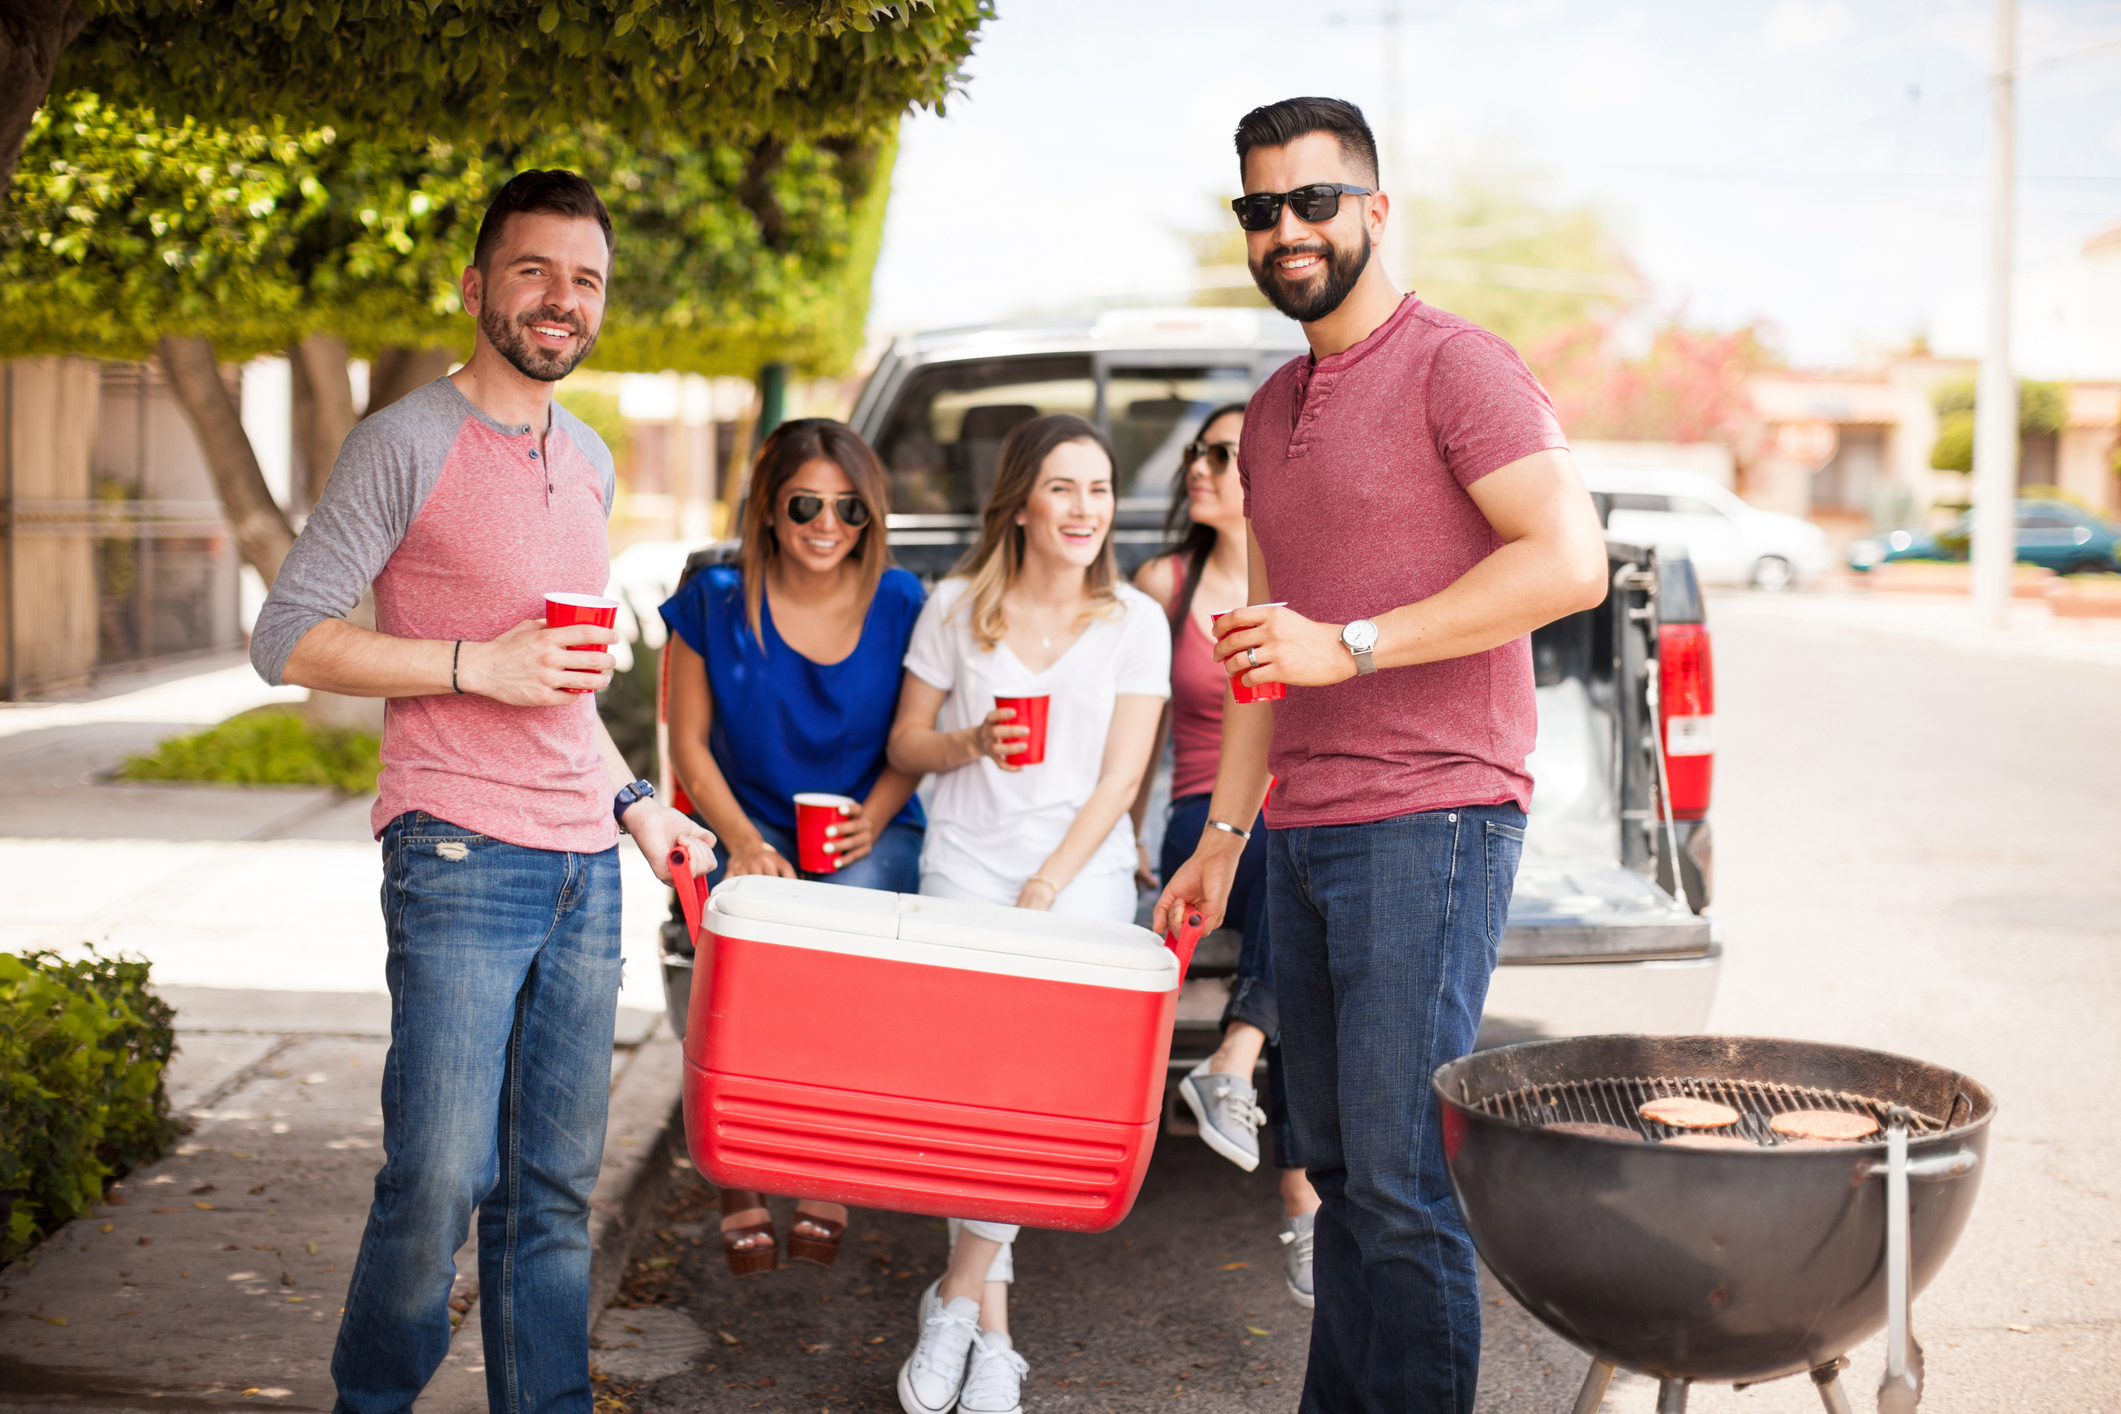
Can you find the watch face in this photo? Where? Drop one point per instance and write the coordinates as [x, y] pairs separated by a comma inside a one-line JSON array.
[[1360, 636]]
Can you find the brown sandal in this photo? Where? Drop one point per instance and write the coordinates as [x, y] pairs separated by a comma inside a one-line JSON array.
[[802, 1247], [748, 1260]]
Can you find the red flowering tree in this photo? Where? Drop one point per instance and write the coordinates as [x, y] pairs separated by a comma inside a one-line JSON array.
[[1688, 386]]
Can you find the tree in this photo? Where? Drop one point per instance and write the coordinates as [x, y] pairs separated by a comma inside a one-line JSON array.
[[507, 71], [128, 236], [2042, 408], [1688, 386]]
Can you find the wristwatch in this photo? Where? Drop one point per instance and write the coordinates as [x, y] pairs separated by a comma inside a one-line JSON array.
[[1359, 638], [629, 796]]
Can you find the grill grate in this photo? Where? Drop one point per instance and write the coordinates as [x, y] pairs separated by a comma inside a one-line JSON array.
[[1616, 1101]]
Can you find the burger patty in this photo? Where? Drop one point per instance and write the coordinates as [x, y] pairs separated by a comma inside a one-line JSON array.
[[1823, 1124], [1686, 1112]]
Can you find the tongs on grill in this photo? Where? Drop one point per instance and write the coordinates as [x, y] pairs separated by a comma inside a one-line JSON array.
[[1901, 1389]]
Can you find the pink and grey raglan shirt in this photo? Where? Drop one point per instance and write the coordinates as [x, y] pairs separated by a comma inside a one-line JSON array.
[[462, 524]]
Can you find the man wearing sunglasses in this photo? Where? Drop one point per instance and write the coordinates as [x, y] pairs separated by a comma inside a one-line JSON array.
[[1410, 496]]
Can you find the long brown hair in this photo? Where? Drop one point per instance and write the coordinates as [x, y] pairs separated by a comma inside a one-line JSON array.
[[792, 446], [1195, 541], [994, 563]]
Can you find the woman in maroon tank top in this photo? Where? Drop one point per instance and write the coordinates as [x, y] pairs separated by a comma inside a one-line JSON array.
[[1202, 578]]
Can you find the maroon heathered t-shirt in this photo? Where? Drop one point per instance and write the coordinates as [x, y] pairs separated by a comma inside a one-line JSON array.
[[1355, 470]]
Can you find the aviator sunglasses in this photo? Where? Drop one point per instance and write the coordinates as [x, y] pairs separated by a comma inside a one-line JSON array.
[[1316, 204], [806, 506], [1219, 455]]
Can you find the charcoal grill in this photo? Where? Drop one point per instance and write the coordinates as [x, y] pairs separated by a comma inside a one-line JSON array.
[[1734, 1265]]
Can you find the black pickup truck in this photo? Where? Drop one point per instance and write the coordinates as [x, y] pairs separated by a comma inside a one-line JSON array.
[[1607, 929]]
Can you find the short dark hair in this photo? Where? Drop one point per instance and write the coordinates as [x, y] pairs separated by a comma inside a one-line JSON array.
[[1279, 124], [559, 192]]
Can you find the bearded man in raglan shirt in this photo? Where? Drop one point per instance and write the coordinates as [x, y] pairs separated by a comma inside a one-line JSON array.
[[1410, 495], [499, 808]]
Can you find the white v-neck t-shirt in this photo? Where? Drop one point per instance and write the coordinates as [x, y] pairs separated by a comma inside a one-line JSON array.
[[990, 829]]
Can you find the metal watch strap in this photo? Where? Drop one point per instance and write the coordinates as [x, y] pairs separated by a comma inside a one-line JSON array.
[[1245, 835], [1364, 663]]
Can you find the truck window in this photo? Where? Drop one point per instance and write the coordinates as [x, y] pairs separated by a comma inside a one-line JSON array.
[[1637, 501], [1154, 412], [944, 441]]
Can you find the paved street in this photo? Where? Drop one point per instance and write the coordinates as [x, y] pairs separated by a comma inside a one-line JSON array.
[[1915, 851], [1916, 844]]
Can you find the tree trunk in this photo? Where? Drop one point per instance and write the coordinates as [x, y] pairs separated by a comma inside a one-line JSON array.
[[261, 528], [323, 410], [32, 32], [397, 371]]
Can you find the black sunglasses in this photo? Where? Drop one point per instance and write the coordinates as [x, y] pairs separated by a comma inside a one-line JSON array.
[[1317, 204], [806, 506], [1218, 454]]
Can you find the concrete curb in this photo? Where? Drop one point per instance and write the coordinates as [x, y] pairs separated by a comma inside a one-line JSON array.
[[646, 1130]]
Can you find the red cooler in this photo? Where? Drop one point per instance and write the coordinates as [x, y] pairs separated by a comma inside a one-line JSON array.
[[927, 1055]]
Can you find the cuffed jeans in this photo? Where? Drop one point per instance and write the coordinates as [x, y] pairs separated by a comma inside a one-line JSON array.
[[504, 979], [1252, 998], [1384, 938]]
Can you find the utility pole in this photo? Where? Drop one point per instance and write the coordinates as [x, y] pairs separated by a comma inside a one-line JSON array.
[[1390, 168], [1995, 538]]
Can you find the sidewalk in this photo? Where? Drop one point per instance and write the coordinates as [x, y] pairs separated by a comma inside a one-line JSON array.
[[215, 1277]]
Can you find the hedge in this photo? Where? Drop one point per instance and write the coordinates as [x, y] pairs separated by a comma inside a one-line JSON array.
[[268, 746], [83, 1046]]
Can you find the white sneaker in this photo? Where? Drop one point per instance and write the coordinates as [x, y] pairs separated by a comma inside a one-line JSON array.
[[929, 1381], [1227, 1109], [1296, 1240], [995, 1384]]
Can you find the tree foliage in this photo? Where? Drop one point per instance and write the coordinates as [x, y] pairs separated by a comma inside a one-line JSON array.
[[2043, 408], [124, 230], [1688, 386], [512, 71]]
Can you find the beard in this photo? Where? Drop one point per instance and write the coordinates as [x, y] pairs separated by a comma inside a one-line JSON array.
[[1315, 296], [547, 366]]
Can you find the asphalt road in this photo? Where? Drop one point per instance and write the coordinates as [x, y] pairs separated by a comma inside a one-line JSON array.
[[1919, 849]]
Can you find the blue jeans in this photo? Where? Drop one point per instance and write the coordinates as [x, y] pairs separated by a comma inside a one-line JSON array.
[[1384, 938], [504, 981], [1252, 991], [892, 864]]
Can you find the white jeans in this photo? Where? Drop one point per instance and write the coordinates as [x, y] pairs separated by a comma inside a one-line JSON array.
[[1003, 1267], [1110, 896]]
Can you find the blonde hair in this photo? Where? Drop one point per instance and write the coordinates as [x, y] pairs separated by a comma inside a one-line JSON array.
[[792, 446], [992, 565]]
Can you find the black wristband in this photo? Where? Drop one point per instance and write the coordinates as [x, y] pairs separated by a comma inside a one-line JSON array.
[[453, 667]]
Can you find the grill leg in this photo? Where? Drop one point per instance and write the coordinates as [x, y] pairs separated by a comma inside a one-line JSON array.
[[1671, 1396], [1831, 1394], [1595, 1381]]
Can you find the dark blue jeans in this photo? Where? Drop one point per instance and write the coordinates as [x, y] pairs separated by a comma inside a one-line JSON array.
[[1384, 938], [504, 981], [1252, 990]]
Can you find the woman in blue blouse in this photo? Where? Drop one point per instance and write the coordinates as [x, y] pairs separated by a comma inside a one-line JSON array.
[[784, 677]]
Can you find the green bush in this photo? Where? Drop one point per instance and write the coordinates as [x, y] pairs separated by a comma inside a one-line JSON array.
[[274, 747], [83, 1046]]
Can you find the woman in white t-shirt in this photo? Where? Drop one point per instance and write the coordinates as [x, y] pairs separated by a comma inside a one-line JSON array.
[[1036, 609]]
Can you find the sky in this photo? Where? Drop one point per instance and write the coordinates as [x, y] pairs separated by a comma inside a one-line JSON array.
[[1819, 165]]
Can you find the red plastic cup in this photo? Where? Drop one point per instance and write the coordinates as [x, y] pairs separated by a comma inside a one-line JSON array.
[[1266, 692], [1030, 712], [815, 812], [562, 610]]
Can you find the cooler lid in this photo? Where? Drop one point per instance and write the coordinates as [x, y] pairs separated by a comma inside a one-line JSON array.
[[807, 904], [1024, 932]]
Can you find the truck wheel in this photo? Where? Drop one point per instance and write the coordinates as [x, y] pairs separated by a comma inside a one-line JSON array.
[[1771, 574]]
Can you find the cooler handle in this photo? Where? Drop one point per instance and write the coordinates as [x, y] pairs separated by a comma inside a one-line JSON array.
[[692, 889], [1183, 939]]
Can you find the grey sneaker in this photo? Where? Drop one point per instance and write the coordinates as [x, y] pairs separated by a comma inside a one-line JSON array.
[[929, 1381], [996, 1382], [1296, 1257], [1227, 1108]]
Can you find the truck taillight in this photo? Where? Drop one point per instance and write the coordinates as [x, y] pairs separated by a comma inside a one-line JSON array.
[[1686, 712]]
